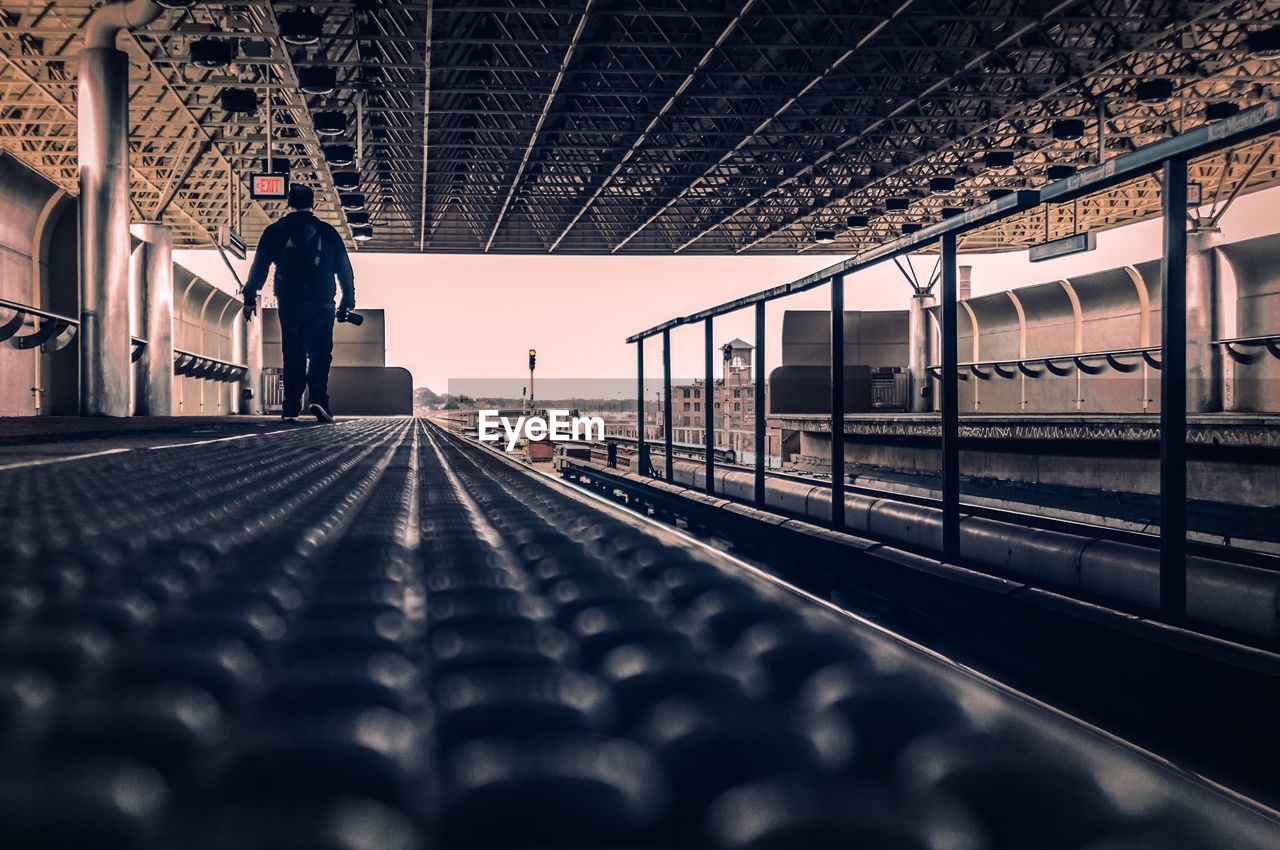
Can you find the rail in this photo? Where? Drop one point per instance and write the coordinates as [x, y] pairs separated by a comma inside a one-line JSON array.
[[1233, 347], [57, 331], [1170, 157], [190, 364], [1122, 360]]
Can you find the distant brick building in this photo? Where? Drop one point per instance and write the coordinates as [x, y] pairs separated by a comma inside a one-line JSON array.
[[732, 403]]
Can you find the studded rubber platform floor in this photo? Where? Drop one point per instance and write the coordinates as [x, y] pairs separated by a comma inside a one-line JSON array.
[[372, 636]]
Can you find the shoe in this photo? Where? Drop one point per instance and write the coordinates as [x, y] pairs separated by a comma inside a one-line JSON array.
[[287, 418], [320, 413]]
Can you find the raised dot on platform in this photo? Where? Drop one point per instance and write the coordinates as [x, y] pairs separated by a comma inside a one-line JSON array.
[[551, 791]]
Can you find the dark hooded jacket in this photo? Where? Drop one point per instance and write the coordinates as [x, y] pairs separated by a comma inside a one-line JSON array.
[[310, 260]]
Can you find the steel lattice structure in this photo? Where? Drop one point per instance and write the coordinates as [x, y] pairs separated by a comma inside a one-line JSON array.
[[654, 126]]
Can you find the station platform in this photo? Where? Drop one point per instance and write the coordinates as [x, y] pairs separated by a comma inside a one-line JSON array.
[[378, 635], [29, 439]]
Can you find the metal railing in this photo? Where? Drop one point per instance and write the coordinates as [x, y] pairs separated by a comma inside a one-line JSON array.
[[1123, 360], [1235, 348], [53, 332], [1170, 157]]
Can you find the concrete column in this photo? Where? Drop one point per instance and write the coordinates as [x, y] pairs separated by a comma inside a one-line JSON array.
[[920, 387], [249, 352], [151, 273], [1204, 359], [103, 106]]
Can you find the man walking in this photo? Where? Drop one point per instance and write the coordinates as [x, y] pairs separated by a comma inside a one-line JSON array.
[[309, 257]]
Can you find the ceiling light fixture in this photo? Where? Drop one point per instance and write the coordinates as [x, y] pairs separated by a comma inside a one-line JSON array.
[[1068, 129], [210, 53], [1220, 111], [300, 27], [339, 155], [330, 123], [998, 159], [1264, 44], [242, 101], [318, 79], [1153, 91]]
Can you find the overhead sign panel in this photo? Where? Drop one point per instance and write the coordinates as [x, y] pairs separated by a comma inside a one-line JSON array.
[[269, 187], [1075, 244]]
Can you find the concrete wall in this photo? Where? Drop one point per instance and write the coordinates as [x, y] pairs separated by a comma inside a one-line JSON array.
[[1105, 311], [27, 201], [203, 318], [870, 338], [365, 345], [1250, 278], [1110, 310], [38, 249]]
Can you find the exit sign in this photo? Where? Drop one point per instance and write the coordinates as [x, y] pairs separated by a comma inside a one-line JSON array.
[[269, 187]]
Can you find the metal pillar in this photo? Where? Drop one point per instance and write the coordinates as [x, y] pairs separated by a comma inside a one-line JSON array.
[[708, 414], [239, 402], [1173, 394], [103, 109], [1204, 359], [950, 386], [642, 446], [918, 353], [761, 394], [667, 449], [151, 273], [837, 402], [250, 353]]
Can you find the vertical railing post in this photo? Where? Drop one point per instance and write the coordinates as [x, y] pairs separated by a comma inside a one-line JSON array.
[[1173, 394], [708, 392], [642, 447], [837, 402], [670, 472], [760, 394], [950, 385]]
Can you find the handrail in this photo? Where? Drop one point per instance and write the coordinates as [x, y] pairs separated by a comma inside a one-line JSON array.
[[186, 363], [35, 311], [1265, 339], [183, 352], [1270, 342], [1022, 364], [1246, 125]]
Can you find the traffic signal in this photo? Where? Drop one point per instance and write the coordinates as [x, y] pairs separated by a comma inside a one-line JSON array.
[[533, 359]]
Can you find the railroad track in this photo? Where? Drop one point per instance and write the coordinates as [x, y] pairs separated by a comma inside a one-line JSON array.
[[374, 635]]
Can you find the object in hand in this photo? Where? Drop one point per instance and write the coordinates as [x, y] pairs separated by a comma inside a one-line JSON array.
[[350, 318]]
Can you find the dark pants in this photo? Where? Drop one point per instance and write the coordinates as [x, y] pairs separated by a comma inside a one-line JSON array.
[[306, 336]]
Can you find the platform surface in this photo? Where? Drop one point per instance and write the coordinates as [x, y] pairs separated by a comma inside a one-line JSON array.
[[374, 635]]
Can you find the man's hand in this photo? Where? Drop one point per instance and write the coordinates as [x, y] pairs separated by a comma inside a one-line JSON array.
[[249, 310]]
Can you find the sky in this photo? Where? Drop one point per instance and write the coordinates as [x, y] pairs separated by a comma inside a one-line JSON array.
[[457, 317]]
